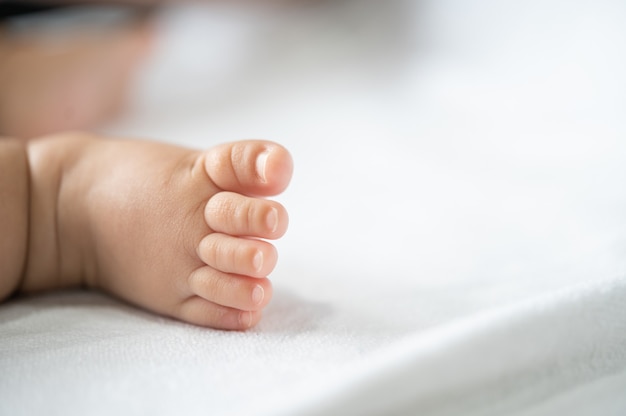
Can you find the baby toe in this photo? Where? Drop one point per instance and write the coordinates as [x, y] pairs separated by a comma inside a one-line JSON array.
[[230, 290], [199, 311], [251, 167], [235, 214], [242, 256]]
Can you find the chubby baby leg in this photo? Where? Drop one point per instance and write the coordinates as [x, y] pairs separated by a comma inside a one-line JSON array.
[[176, 231]]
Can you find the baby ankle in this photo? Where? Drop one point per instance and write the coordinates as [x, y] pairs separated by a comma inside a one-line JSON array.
[[14, 214]]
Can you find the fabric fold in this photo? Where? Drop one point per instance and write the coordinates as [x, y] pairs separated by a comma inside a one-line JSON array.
[[490, 363]]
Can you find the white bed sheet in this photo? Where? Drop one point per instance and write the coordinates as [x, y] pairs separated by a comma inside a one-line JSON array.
[[458, 219]]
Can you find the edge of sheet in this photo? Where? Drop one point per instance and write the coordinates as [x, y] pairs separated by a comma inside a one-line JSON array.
[[492, 362]]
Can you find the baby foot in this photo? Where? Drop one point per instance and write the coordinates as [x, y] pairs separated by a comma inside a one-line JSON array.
[[176, 231]]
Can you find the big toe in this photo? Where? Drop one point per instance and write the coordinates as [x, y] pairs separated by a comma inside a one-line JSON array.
[[251, 167]]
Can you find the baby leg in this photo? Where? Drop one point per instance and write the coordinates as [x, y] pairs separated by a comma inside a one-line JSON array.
[[176, 231]]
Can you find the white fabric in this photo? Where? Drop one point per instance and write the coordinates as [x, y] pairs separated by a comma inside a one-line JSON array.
[[458, 219]]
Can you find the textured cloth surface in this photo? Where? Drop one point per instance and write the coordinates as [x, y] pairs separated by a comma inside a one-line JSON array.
[[457, 239]]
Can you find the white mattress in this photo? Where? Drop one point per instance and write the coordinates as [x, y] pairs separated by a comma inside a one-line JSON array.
[[458, 219]]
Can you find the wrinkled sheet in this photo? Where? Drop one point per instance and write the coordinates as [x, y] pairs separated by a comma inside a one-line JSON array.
[[457, 242]]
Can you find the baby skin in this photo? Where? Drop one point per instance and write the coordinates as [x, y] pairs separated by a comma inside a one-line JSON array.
[[175, 231]]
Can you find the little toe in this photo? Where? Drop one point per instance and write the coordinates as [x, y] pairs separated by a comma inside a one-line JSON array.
[[242, 256], [199, 311], [235, 214], [251, 167], [230, 290]]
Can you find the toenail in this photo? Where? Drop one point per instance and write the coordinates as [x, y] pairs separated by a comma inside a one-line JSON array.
[[261, 163], [257, 261], [272, 220], [245, 319], [258, 294]]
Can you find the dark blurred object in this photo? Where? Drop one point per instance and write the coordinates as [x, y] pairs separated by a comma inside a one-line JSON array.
[[42, 18], [20, 8]]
